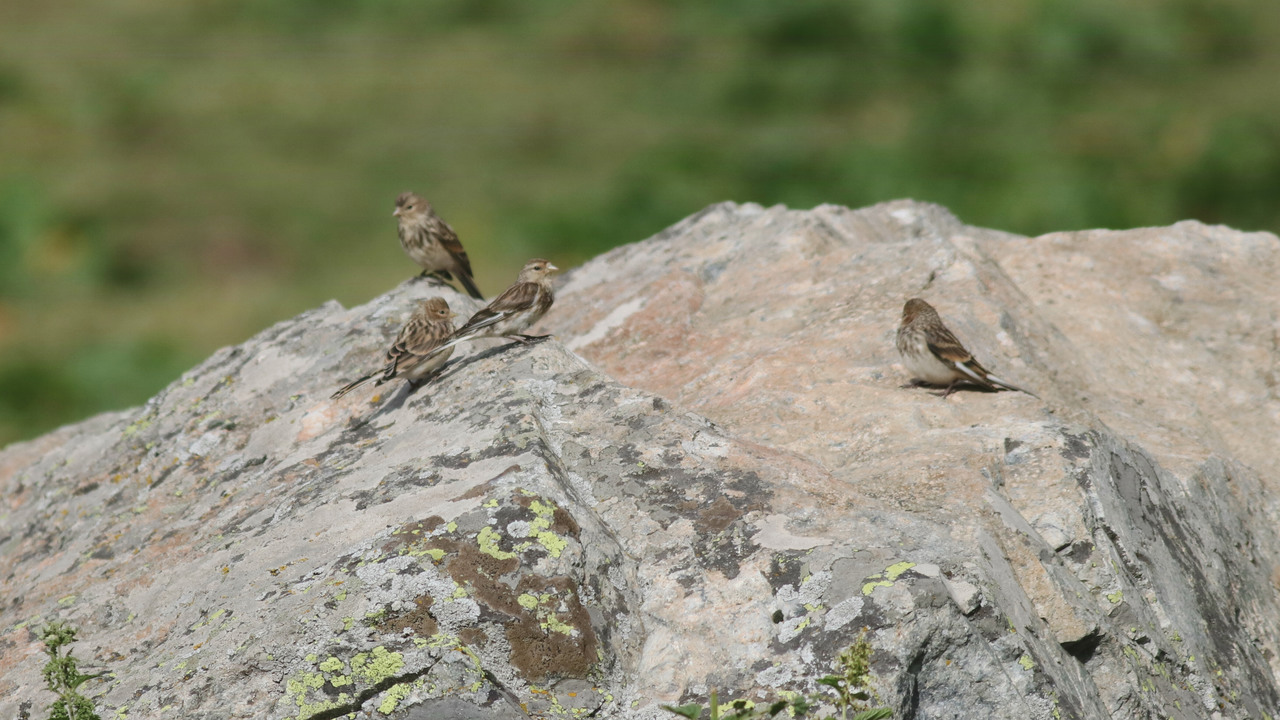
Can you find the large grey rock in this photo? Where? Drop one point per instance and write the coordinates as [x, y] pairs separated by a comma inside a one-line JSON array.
[[724, 494]]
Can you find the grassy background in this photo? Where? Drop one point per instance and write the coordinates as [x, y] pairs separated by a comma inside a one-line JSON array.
[[177, 176]]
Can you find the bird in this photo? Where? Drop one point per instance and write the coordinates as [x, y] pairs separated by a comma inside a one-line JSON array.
[[934, 356], [512, 312], [429, 241], [414, 356]]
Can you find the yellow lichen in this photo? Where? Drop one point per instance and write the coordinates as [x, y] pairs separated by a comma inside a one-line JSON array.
[[377, 665], [868, 588], [391, 700], [488, 541], [893, 571]]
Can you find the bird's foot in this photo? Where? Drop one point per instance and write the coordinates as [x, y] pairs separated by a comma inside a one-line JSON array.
[[436, 275]]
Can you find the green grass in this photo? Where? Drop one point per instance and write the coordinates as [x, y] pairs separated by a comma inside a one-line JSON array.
[[175, 177]]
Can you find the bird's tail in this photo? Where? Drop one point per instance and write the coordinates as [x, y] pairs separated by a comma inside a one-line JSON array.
[[348, 388], [1010, 386], [470, 285]]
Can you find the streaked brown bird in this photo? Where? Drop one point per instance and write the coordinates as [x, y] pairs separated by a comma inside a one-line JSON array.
[[934, 356], [515, 310], [416, 353], [431, 243]]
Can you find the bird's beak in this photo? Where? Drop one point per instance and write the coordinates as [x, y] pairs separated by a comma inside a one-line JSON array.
[[395, 213], [551, 267]]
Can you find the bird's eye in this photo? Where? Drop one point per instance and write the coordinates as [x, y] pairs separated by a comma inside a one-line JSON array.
[[408, 207]]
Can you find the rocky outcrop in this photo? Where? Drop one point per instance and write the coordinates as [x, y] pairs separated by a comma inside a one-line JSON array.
[[710, 479]]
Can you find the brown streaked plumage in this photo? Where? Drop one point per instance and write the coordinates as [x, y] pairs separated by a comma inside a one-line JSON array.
[[416, 353], [430, 242], [515, 310], [934, 356]]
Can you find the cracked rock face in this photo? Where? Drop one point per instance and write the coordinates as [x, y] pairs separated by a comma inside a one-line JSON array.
[[710, 479]]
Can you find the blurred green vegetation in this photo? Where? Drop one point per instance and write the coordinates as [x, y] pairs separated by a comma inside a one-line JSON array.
[[177, 176]]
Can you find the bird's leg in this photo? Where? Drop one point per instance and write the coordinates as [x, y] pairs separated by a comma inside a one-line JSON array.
[[950, 389], [439, 276]]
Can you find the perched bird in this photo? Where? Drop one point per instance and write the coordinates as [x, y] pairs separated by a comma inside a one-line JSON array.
[[414, 355], [935, 356], [431, 243], [512, 312]]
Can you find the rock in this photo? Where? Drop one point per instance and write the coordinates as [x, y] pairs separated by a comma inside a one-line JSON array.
[[964, 595], [722, 495]]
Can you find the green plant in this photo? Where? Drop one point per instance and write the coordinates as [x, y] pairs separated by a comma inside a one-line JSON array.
[[851, 685], [63, 675]]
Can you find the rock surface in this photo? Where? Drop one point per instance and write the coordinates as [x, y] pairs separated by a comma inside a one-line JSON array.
[[723, 494]]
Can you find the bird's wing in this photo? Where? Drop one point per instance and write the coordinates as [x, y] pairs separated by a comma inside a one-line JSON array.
[[517, 298], [945, 345], [416, 326], [420, 338], [948, 349], [450, 242]]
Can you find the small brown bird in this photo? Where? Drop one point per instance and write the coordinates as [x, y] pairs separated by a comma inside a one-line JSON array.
[[416, 352], [431, 243], [512, 312], [934, 356]]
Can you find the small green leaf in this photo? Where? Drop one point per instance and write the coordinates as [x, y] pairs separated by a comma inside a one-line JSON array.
[[831, 681], [693, 711], [876, 714], [79, 679]]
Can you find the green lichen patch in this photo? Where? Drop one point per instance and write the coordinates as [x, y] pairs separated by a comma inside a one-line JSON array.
[[377, 665], [488, 539], [392, 697], [332, 665], [893, 571], [139, 425], [336, 684], [887, 577], [870, 586], [556, 518]]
